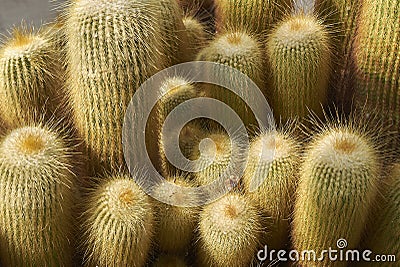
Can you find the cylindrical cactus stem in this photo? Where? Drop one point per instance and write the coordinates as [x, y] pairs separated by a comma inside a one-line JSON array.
[[229, 231], [173, 92], [377, 48], [37, 199], [197, 34], [176, 38], [118, 224], [166, 260], [176, 224], [343, 14], [255, 16], [299, 59], [241, 51], [383, 235], [338, 186], [30, 78], [270, 181], [113, 47]]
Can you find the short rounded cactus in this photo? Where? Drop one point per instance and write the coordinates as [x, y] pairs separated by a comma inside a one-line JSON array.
[[299, 59], [36, 199], [270, 181], [118, 224], [30, 77], [337, 188], [229, 231], [176, 224], [197, 34]]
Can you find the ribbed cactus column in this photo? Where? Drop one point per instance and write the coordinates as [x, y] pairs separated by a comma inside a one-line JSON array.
[[299, 58], [118, 224], [254, 16], [30, 78], [228, 232], [343, 15], [36, 199], [176, 224], [383, 237], [113, 47], [270, 181], [377, 59], [241, 51], [337, 188]]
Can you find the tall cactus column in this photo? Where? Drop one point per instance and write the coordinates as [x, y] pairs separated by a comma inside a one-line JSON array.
[[299, 58], [114, 46], [377, 58]]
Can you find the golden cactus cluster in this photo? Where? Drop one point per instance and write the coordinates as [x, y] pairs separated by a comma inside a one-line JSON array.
[[325, 175]]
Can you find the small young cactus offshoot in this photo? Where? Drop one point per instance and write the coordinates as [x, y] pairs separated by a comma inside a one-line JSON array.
[[118, 224], [37, 197]]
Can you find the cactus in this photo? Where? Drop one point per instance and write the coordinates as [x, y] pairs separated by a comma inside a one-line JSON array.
[[176, 224], [337, 187], [197, 34], [343, 15], [212, 168], [113, 47], [30, 78], [377, 59], [277, 179], [243, 52], [118, 224], [299, 58], [36, 196], [176, 38], [169, 261], [384, 233], [228, 232], [255, 16]]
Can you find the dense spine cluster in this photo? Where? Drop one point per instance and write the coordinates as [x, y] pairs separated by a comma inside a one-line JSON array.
[[30, 78], [337, 188], [118, 224], [36, 199], [270, 181], [299, 59], [377, 48]]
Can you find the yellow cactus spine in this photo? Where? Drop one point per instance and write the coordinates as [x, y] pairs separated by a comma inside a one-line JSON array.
[[37, 197], [228, 232], [197, 34], [337, 188], [299, 59], [377, 48], [30, 78], [113, 47], [118, 224], [176, 224], [270, 181]]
